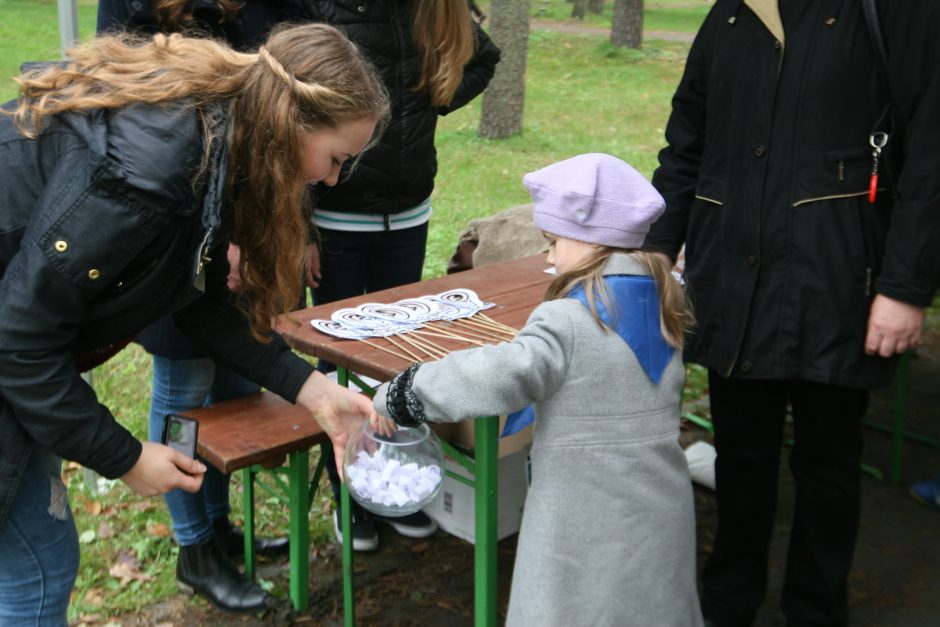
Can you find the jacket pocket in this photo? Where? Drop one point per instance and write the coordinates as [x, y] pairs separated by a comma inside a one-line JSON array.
[[710, 191], [839, 174]]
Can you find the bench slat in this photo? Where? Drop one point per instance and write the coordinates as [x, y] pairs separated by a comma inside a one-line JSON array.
[[254, 429]]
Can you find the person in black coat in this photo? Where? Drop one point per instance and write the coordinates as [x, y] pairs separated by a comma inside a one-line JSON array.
[[126, 173], [808, 275], [373, 226]]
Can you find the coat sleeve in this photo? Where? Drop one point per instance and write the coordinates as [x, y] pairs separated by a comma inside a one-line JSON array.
[[46, 293], [220, 329], [911, 265], [679, 161], [477, 73], [495, 380]]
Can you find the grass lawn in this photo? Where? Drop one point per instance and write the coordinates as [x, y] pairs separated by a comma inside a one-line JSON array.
[[581, 96]]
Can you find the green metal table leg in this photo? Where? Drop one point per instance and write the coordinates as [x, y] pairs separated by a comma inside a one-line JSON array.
[[349, 600], [299, 465], [349, 597], [900, 416], [248, 504], [485, 549]]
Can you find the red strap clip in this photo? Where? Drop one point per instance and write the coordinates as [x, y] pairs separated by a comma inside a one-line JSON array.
[[877, 142]]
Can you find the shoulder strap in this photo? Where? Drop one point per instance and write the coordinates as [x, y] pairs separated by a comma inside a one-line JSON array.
[[878, 43]]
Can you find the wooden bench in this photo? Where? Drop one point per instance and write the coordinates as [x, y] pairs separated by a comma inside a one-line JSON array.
[[254, 434]]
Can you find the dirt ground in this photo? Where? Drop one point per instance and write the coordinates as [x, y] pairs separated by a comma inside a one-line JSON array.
[[895, 580]]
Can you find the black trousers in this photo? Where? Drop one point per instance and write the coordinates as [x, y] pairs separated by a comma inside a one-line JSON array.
[[825, 462], [353, 264]]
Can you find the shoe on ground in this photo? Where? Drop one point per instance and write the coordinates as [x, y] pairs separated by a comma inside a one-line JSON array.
[[232, 541], [365, 536], [928, 492], [205, 570], [417, 525]]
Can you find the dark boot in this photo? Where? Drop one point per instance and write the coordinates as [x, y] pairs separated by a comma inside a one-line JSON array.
[[232, 541], [204, 569]]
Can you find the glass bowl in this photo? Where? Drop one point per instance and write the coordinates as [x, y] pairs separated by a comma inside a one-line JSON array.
[[394, 475]]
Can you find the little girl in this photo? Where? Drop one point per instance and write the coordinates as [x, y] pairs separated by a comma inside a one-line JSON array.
[[608, 533]]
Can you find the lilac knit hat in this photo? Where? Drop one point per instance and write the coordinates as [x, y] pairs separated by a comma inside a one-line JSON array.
[[594, 198]]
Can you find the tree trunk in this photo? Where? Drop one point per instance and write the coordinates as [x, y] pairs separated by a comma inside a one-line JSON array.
[[504, 99], [627, 24], [595, 6], [578, 9]]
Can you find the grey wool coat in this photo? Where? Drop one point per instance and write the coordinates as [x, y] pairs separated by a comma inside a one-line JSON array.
[[608, 533]]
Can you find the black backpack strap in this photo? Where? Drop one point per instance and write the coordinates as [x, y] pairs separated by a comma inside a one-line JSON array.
[[881, 58]]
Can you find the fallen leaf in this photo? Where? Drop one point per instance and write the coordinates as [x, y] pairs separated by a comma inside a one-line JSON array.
[[105, 531], [127, 569], [159, 530], [95, 598], [87, 536], [92, 507], [420, 547]]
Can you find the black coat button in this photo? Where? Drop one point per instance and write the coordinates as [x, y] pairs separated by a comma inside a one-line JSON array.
[[752, 260], [745, 366], [760, 151]]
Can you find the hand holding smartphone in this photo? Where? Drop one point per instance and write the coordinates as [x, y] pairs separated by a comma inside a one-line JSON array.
[[180, 433]]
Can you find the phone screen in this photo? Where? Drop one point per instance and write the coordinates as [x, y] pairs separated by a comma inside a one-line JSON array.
[[180, 432]]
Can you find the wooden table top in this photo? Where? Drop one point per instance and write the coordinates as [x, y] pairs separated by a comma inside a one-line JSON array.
[[516, 287]]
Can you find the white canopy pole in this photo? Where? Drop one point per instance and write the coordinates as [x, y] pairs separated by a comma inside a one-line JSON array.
[[68, 24]]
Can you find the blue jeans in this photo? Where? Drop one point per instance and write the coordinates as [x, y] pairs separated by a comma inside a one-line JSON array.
[[178, 386], [38, 548]]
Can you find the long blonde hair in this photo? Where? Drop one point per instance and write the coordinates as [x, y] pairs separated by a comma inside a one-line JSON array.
[[675, 314], [443, 32], [304, 78]]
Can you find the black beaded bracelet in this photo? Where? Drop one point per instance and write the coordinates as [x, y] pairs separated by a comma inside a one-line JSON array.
[[403, 406]]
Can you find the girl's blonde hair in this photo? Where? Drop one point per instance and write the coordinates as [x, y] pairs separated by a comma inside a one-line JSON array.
[[675, 314], [443, 32], [304, 78]]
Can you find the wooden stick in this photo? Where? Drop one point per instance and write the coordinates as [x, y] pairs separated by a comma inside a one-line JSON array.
[[425, 346], [382, 348], [447, 334], [469, 333], [499, 324], [402, 348], [482, 331], [485, 327], [427, 342]]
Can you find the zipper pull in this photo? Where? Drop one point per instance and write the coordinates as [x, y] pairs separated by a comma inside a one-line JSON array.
[[877, 141]]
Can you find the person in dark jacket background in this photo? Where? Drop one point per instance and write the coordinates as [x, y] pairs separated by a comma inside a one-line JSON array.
[[373, 225], [120, 189], [807, 275]]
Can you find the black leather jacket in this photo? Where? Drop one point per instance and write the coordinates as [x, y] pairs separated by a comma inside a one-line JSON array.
[[101, 232], [399, 172]]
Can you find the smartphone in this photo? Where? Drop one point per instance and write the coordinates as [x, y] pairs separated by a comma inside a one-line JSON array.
[[180, 432]]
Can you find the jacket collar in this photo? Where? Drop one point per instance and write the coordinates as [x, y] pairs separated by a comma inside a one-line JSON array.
[[768, 12], [620, 263]]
